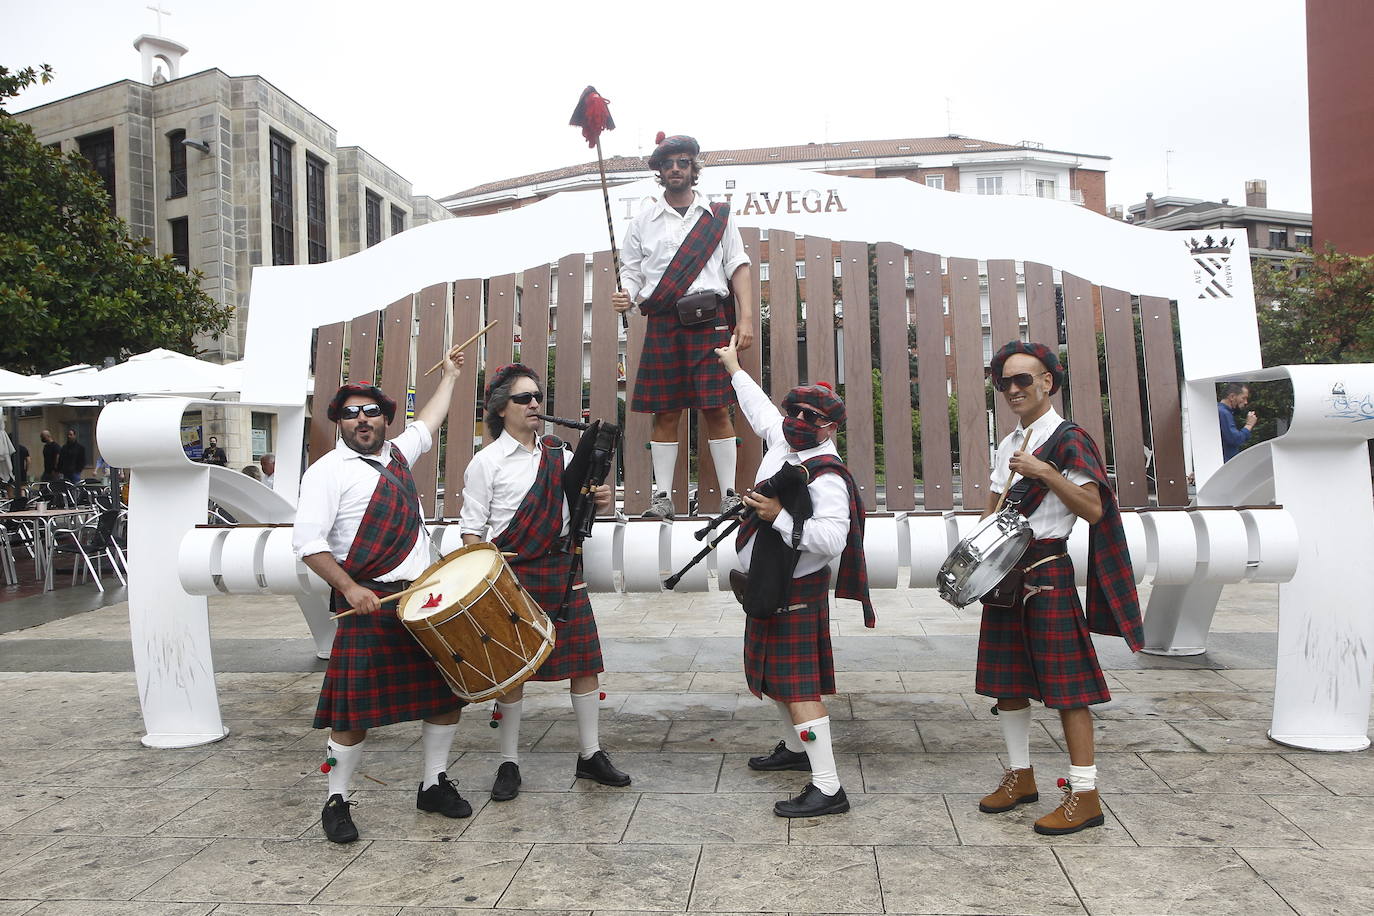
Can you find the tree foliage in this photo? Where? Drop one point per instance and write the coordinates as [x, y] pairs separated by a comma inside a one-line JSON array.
[[1320, 311], [74, 285]]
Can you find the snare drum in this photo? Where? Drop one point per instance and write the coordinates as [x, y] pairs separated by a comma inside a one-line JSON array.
[[983, 559], [485, 633]]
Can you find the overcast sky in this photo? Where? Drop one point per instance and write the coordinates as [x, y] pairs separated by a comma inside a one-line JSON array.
[[454, 94]]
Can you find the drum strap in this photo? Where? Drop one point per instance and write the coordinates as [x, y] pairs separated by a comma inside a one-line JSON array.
[[1027, 494], [400, 485]]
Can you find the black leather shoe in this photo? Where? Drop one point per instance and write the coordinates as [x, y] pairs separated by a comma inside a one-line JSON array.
[[337, 820], [600, 768], [442, 798], [507, 784], [812, 802], [782, 759]]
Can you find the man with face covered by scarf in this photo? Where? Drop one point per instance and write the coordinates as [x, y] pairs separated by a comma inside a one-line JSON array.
[[787, 656]]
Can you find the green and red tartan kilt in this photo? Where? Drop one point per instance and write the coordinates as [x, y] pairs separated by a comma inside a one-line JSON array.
[[1066, 674], [577, 647], [787, 656], [378, 674], [678, 367]]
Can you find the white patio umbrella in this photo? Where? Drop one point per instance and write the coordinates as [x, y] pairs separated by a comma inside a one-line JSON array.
[[155, 372]]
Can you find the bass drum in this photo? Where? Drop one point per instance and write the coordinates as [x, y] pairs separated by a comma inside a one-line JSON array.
[[984, 558]]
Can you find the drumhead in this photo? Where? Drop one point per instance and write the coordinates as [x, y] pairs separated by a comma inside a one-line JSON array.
[[457, 575]]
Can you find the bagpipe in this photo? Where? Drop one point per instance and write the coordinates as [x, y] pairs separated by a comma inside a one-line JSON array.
[[592, 462]]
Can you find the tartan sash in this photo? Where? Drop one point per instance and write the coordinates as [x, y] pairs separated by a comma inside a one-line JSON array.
[[689, 260], [390, 526], [534, 529], [852, 581]]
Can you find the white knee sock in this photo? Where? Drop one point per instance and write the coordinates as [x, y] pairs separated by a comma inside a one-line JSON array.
[[821, 755], [789, 731], [1016, 732], [587, 706], [346, 759], [510, 729], [664, 456], [1083, 778], [723, 456], [437, 741]]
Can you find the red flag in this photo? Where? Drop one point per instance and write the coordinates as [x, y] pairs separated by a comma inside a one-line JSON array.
[[593, 115]]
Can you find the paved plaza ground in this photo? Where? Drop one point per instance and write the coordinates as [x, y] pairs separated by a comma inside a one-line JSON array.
[[1204, 814]]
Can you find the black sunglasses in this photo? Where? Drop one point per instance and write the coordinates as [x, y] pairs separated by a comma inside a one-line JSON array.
[[810, 416], [1020, 380], [682, 162], [525, 397], [368, 410]]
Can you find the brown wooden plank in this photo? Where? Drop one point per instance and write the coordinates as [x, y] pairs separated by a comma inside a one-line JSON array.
[[750, 452], [605, 368], [1085, 390], [1006, 326], [534, 302], [567, 397], [1042, 323], [1123, 387], [895, 365], [501, 308], [397, 333], [638, 426], [328, 371], [937, 465], [974, 453], [820, 310], [431, 308], [362, 348], [782, 312], [858, 370], [464, 410], [1161, 384]]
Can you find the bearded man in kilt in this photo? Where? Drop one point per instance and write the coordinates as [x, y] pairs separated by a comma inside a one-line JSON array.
[[360, 528], [682, 246], [1041, 648], [787, 654], [513, 495]]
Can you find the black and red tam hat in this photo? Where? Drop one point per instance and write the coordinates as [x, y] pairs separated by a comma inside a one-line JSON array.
[[364, 390], [820, 397], [666, 146], [1040, 352]]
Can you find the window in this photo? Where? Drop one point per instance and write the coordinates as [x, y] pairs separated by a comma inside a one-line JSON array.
[[801, 268], [989, 184], [947, 345], [839, 268], [398, 220], [1302, 239], [181, 242], [373, 207], [262, 434], [935, 181], [100, 153], [316, 212], [1278, 238], [176, 169], [1044, 187], [987, 347], [944, 304], [283, 201], [763, 272]]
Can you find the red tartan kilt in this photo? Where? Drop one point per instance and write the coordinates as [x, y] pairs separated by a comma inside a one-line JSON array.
[[787, 656], [378, 674], [678, 367], [1066, 673], [577, 647]]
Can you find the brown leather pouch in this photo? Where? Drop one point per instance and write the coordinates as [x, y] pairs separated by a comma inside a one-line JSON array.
[[697, 308], [1005, 593], [739, 581]]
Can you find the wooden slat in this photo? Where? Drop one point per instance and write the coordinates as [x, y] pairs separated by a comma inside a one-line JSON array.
[[605, 374], [431, 308], [1085, 391], [1161, 382], [328, 371], [858, 370], [396, 375], [1006, 326], [362, 347], [1041, 321], [974, 454], [1123, 386], [638, 426], [462, 412], [567, 398], [893, 321], [534, 320], [782, 312], [682, 469], [820, 310], [750, 452], [937, 472], [501, 307]]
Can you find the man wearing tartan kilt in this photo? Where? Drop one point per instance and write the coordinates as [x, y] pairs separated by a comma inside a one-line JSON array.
[[359, 527], [787, 656], [513, 494], [675, 247], [1041, 648]]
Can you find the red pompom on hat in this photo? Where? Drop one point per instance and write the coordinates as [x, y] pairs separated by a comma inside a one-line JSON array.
[[658, 137]]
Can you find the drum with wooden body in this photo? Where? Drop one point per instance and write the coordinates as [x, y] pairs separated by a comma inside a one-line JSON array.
[[484, 631], [982, 559]]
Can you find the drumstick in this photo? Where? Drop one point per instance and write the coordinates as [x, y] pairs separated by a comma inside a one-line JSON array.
[[394, 596], [1002, 497], [464, 344]]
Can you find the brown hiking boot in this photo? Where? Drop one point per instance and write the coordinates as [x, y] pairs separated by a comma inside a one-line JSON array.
[[1077, 811], [1017, 788]]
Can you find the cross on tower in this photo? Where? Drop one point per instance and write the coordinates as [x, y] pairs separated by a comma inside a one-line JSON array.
[[159, 12]]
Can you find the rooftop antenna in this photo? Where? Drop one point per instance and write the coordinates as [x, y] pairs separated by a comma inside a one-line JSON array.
[[949, 118], [1168, 154]]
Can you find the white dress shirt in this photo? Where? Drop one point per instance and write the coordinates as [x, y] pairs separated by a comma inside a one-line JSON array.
[[269, 481], [824, 534], [1051, 519], [495, 484], [654, 236], [335, 494]]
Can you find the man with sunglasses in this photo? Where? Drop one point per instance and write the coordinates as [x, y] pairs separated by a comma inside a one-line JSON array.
[[1041, 647], [678, 247], [513, 495], [359, 527], [796, 535]]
